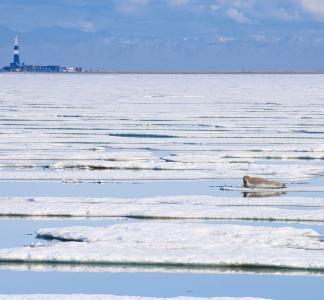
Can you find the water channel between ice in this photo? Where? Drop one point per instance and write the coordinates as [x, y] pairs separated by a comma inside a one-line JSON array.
[[159, 135], [18, 232]]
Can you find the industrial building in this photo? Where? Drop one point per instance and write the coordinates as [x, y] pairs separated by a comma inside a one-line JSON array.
[[17, 66]]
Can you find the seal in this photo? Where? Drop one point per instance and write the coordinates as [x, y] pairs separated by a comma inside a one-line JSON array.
[[259, 182]]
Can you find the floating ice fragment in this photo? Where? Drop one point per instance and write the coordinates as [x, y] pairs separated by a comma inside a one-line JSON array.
[[297, 209], [178, 244]]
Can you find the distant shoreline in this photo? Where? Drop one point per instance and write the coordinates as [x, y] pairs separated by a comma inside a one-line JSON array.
[[178, 72]]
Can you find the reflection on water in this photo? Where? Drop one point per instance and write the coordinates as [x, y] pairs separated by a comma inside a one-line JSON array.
[[263, 194]]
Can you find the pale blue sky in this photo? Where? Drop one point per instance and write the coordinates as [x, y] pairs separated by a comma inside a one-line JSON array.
[[166, 35]]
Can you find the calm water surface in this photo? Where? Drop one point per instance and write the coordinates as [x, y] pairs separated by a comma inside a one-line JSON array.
[[162, 284]]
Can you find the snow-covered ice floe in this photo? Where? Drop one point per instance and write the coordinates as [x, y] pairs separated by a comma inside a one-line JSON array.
[[169, 207], [161, 127], [94, 172], [110, 297], [177, 244]]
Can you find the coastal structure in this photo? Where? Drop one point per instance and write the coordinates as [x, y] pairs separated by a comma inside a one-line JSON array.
[[17, 66], [16, 60]]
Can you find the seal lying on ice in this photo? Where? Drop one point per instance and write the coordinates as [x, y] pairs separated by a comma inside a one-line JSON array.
[[258, 182]]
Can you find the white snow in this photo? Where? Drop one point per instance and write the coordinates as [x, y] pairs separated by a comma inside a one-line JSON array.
[[207, 126], [186, 244], [176, 207], [166, 171]]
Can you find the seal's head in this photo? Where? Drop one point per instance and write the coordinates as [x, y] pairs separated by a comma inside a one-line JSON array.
[[245, 181]]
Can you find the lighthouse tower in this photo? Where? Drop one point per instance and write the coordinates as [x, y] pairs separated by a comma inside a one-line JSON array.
[[16, 60]]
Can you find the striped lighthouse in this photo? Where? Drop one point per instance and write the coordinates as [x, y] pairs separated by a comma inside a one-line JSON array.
[[16, 60]]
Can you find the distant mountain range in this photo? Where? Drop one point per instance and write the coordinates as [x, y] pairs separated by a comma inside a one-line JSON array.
[[238, 48]]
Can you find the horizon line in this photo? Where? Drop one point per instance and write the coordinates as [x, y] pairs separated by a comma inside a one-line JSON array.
[[89, 71]]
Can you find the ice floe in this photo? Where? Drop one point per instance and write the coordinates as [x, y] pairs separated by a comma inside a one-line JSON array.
[[297, 209], [112, 171], [210, 126], [177, 244]]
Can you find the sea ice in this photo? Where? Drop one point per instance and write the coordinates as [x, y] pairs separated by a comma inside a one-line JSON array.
[[177, 244], [173, 207], [161, 127]]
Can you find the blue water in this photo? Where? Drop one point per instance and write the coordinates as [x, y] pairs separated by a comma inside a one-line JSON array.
[[118, 189], [133, 189], [17, 232], [164, 284]]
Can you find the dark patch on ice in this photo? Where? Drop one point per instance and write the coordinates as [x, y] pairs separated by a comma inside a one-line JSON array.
[[273, 103], [308, 131], [49, 237], [246, 268], [143, 135], [69, 116], [169, 202], [305, 157], [168, 160], [101, 168]]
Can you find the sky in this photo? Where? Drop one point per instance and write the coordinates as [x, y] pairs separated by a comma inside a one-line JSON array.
[[166, 35]]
